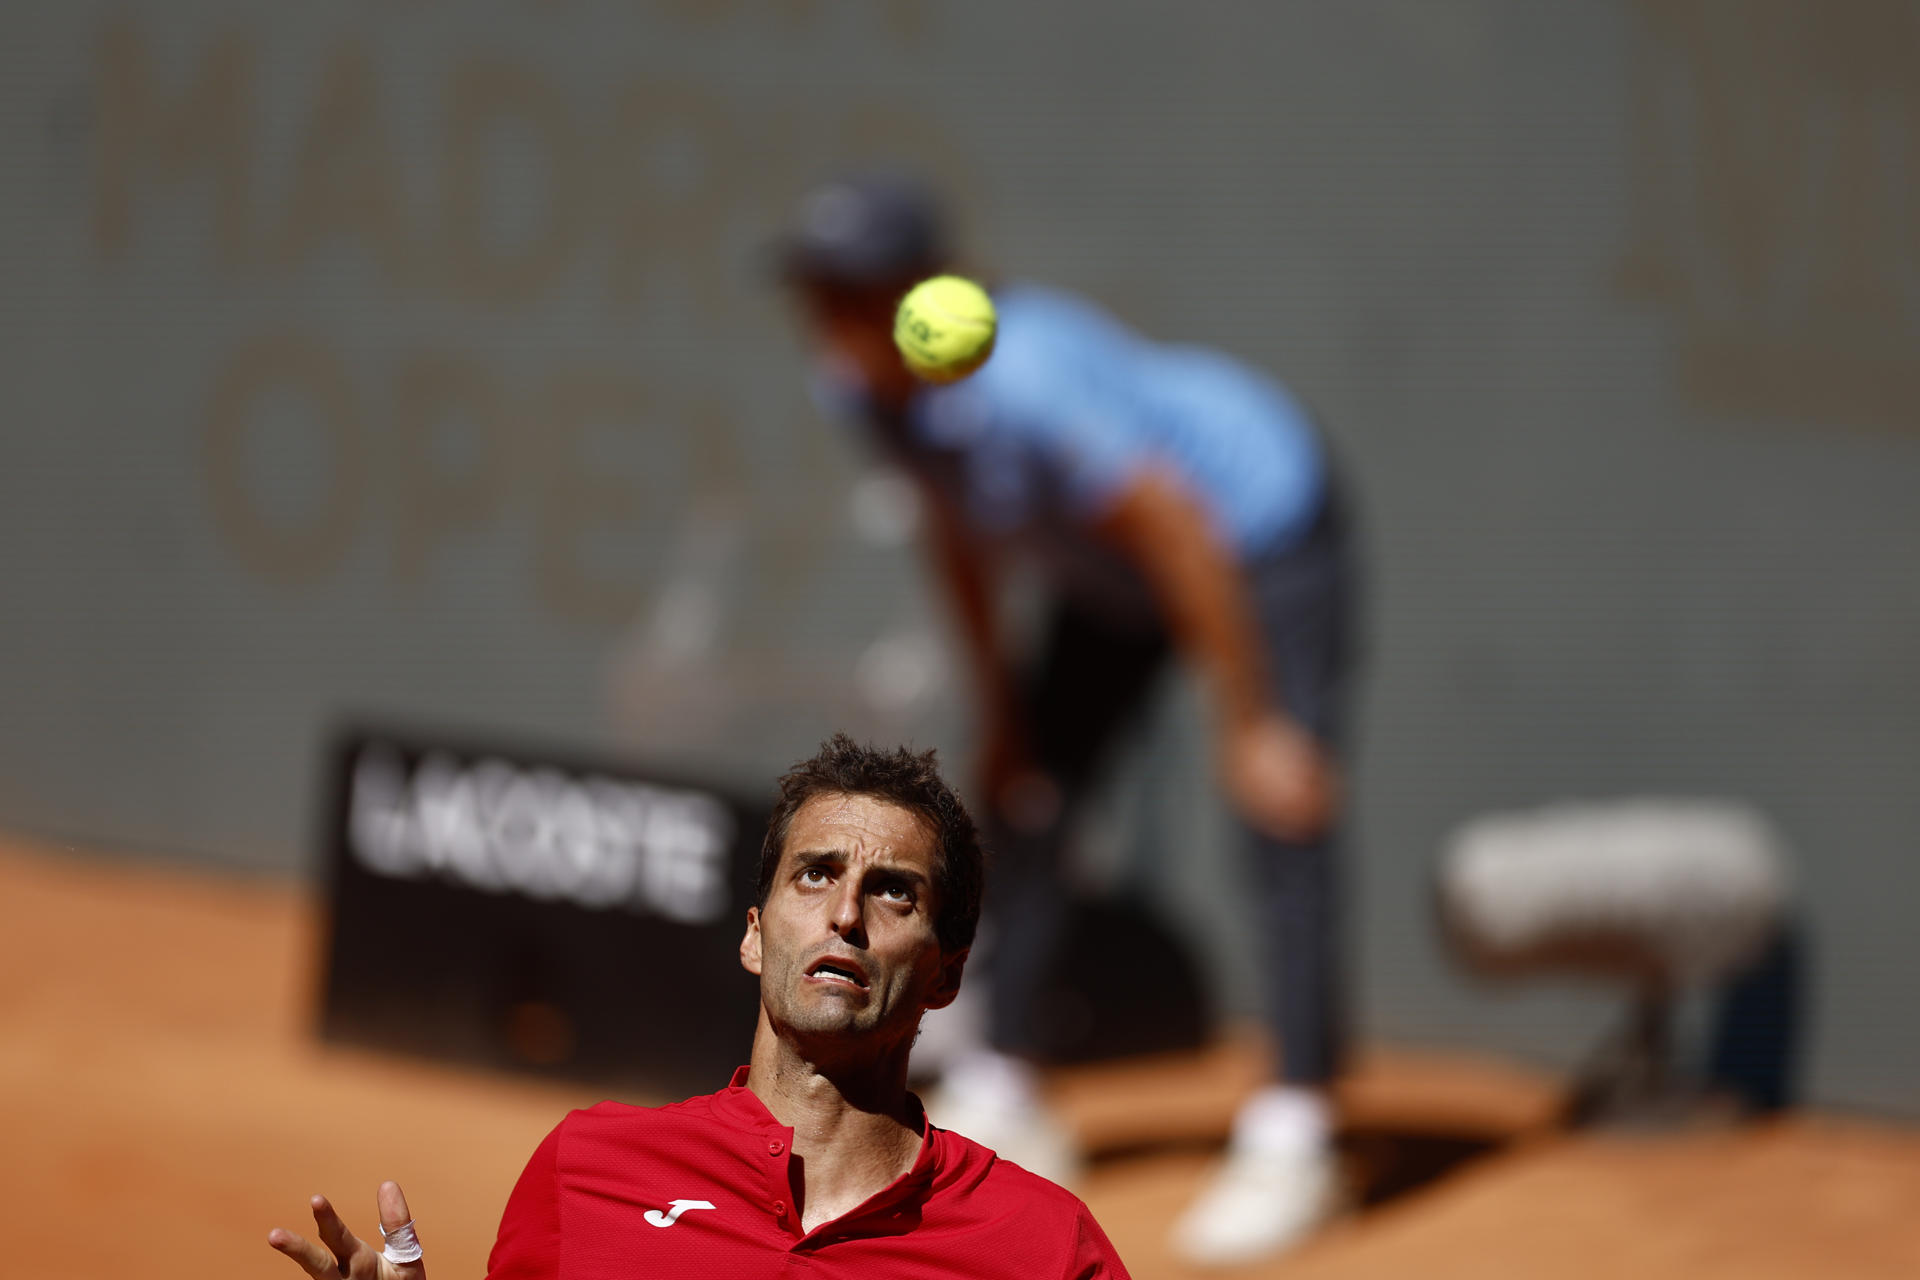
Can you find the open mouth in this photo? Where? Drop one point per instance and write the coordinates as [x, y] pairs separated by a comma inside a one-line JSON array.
[[838, 971]]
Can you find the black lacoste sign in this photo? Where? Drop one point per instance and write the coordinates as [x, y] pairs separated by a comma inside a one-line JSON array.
[[513, 908]]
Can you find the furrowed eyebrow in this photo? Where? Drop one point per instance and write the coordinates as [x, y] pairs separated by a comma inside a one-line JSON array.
[[818, 858]]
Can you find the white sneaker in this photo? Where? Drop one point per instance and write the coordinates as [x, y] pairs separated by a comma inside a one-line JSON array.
[[992, 1101], [1258, 1204]]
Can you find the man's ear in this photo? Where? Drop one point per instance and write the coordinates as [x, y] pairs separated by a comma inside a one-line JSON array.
[[750, 943], [946, 984]]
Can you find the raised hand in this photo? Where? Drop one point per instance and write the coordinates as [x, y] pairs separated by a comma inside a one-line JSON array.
[[341, 1253]]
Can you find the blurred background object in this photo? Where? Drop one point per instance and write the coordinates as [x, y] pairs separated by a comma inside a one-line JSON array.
[[536, 912], [1667, 898], [410, 364]]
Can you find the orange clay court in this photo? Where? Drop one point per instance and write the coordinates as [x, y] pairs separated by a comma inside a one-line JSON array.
[[164, 1103]]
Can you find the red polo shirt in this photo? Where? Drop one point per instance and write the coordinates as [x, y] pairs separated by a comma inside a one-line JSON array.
[[703, 1188]]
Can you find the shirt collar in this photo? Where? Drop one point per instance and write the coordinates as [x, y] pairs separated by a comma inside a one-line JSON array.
[[740, 1106]]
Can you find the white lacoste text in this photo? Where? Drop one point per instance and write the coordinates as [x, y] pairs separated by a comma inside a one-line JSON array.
[[591, 840]]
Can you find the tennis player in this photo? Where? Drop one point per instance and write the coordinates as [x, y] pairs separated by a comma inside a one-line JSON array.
[[815, 1159]]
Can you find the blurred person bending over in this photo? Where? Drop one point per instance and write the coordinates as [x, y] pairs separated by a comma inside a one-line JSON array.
[[1171, 499], [816, 1156]]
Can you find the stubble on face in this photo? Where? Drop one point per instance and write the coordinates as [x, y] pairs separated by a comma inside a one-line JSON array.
[[847, 947]]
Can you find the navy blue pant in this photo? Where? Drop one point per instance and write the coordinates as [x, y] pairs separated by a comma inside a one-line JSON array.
[[1089, 685]]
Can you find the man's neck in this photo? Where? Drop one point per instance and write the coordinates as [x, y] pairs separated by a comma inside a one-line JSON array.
[[855, 1129]]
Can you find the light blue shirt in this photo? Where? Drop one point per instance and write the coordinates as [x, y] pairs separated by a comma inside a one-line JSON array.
[[1073, 405]]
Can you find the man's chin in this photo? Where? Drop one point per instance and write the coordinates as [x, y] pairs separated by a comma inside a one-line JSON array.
[[829, 1023], [839, 1033]]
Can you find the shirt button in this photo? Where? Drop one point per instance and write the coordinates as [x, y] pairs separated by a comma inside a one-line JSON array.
[[775, 1147], [779, 1208]]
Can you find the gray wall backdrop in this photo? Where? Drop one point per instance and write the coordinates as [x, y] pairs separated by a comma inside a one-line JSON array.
[[410, 361]]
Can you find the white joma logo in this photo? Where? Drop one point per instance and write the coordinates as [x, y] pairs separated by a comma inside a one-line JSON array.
[[674, 1209]]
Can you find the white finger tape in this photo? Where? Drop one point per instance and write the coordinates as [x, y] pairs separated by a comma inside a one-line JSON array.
[[402, 1244]]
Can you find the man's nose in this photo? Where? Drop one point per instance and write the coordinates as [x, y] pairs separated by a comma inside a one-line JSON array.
[[847, 917]]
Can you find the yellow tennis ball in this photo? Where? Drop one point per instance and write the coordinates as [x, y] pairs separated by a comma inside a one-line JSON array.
[[944, 328]]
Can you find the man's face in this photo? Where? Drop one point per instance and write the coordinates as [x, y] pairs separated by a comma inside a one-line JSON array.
[[856, 326], [846, 946]]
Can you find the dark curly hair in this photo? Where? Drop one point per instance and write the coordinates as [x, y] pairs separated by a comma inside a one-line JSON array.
[[911, 780]]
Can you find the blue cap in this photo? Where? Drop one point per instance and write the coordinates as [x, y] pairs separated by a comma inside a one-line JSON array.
[[866, 229]]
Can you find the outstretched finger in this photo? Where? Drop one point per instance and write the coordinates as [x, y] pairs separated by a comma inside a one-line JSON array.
[[394, 1215], [334, 1233], [313, 1259]]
